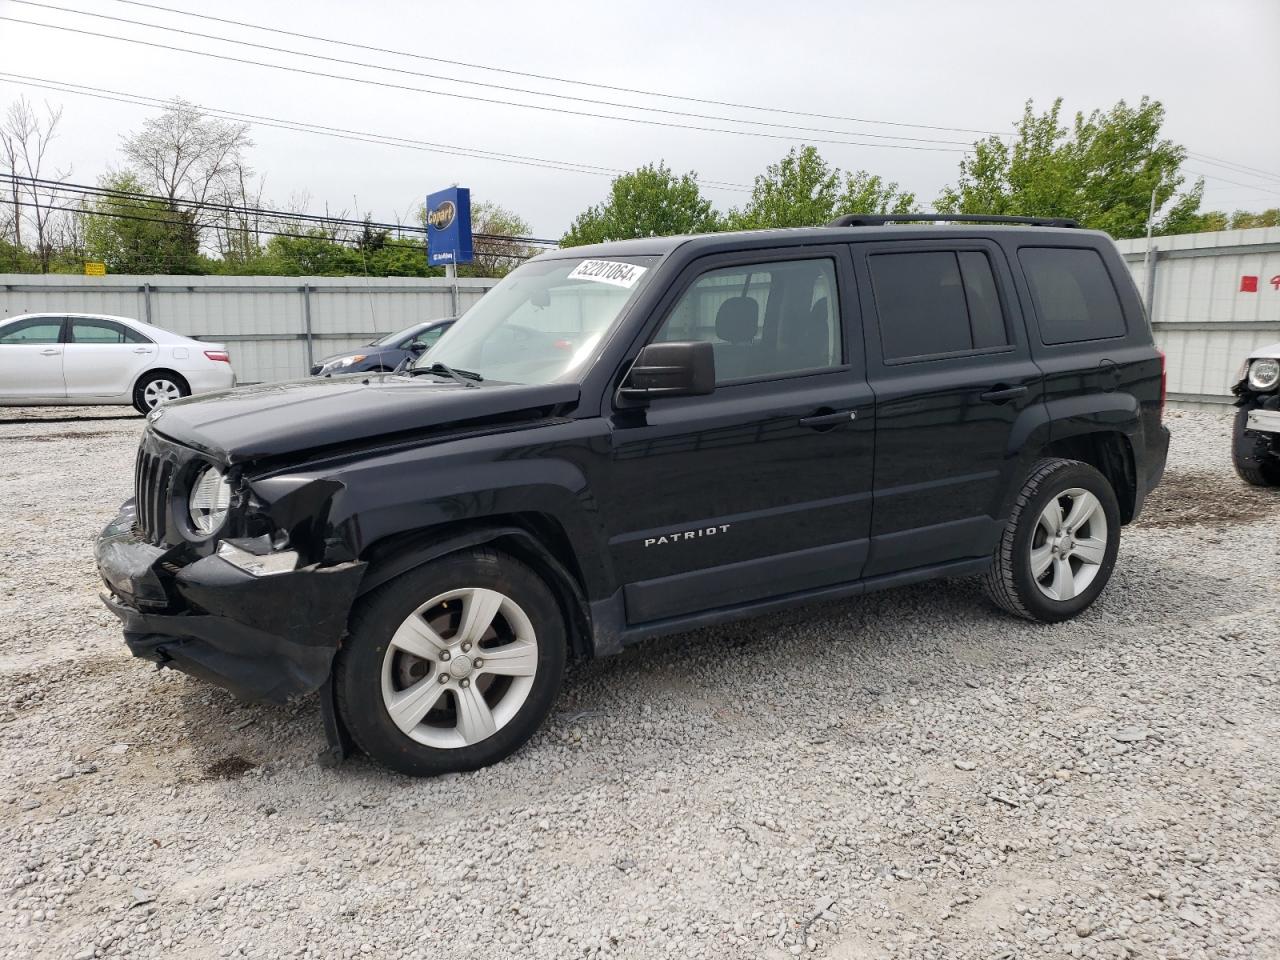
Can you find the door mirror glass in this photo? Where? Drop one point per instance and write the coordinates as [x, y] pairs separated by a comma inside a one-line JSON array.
[[678, 369]]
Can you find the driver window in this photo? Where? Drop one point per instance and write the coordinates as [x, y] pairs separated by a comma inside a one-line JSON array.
[[762, 320]]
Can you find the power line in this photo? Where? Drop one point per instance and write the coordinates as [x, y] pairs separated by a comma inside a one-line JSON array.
[[8, 201], [1235, 167], [1251, 186], [170, 223], [340, 133], [86, 191], [555, 79], [462, 96], [613, 104]]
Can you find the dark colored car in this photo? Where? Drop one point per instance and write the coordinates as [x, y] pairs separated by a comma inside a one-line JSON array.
[[644, 437], [385, 354], [1255, 443]]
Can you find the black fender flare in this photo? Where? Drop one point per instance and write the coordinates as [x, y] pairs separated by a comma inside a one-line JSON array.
[[409, 554]]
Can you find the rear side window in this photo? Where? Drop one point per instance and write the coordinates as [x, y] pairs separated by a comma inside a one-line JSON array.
[[936, 302], [1074, 297], [103, 331]]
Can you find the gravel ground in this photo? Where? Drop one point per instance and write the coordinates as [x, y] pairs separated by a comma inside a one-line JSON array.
[[908, 775]]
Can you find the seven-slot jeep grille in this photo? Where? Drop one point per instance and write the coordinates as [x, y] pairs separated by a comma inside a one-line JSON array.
[[152, 478]]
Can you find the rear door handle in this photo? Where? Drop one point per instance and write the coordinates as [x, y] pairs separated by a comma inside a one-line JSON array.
[[1001, 393], [142, 350], [819, 420], [50, 352]]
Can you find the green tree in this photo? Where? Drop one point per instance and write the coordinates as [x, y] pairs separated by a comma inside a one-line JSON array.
[[136, 235], [800, 190], [803, 190], [317, 253], [868, 193], [648, 202], [1102, 171], [1243, 219], [496, 258]]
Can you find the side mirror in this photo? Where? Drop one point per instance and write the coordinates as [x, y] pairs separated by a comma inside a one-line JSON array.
[[417, 348], [686, 369]]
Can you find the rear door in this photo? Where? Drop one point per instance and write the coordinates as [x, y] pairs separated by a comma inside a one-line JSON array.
[[31, 353], [104, 358], [761, 488], [948, 360]]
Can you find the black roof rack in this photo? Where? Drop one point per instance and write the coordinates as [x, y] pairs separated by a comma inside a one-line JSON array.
[[880, 219]]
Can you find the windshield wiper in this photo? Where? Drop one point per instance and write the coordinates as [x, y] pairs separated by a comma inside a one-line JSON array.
[[468, 378]]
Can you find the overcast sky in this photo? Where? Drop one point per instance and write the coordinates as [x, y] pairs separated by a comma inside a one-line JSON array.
[[946, 64]]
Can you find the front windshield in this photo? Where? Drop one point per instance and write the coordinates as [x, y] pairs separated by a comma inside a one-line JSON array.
[[542, 321]]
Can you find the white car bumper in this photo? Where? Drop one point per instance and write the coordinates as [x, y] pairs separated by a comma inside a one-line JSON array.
[[207, 379]]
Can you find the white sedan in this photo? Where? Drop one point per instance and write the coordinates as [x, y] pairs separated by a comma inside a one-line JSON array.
[[81, 358]]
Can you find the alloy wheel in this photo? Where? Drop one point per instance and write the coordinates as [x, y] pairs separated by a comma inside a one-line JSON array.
[[459, 667], [1069, 544]]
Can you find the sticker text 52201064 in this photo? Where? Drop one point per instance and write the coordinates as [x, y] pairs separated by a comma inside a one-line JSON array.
[[608, 271]]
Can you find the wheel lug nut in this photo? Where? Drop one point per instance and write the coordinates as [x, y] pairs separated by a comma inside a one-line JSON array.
[[466, 646], [465, 683], [477, 662], [444, 654], [444, 678]]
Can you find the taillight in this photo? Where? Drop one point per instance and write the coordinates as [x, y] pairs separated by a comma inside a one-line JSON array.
[[220, 355]]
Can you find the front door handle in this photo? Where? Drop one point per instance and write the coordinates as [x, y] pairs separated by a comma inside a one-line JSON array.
[[820, 420], [1001, 394], [50, 352], [142, 350]]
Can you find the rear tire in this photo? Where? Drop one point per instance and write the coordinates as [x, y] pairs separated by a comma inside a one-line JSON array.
[[1059, 548], [157, 387], [1251, 454], [453, 665]]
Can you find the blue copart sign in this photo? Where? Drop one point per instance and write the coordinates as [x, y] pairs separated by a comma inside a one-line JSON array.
[[449, 226]]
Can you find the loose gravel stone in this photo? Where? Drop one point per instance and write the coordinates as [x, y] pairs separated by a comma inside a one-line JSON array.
[[909, 775]]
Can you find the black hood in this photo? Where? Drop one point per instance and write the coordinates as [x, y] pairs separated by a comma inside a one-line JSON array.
[[278, 419]]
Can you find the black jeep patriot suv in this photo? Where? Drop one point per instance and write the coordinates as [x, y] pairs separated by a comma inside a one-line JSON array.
[[638, 438]]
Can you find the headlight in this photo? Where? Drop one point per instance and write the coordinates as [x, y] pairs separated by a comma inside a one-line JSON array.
[[1264, 374], [343, 362], [209, 501]]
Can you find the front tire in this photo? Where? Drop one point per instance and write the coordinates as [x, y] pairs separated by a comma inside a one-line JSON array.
[[1251, 454], [1060, 546], [153, 389], [453, 665]]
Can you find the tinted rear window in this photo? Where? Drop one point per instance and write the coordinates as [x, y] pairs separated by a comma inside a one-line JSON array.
[[936, 303], [1073, 293]]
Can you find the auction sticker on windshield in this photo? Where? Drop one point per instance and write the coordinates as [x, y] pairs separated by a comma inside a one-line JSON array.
[[608, 271]]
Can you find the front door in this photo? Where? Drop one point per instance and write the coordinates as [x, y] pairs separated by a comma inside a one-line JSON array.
[[104, 358], [31, 359], [947, 357], [762, 488]]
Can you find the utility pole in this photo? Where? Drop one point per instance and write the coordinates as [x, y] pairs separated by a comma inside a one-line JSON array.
[[451, 274], [1146, 259]]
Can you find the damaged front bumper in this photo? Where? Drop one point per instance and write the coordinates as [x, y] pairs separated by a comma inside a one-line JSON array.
[[263, 637]]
